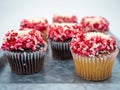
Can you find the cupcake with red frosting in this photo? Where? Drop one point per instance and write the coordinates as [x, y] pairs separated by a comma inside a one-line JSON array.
[[94, 54], [39, 24], [95, 24], [57, 18], [60, 35], [25, 50]]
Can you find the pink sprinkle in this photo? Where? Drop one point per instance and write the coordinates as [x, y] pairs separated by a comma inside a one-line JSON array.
[[92, 46]]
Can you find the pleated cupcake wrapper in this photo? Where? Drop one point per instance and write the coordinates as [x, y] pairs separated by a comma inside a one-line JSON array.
[[94, 68], [61, 50], [26, 62]]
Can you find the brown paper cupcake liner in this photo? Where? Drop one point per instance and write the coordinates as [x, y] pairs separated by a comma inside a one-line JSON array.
[[26, 62], [94, 68], [61, 50]]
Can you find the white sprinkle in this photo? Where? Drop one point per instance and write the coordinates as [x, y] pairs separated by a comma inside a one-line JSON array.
[[21, 49]]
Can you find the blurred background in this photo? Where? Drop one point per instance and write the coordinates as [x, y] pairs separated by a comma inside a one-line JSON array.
[[13, 11]]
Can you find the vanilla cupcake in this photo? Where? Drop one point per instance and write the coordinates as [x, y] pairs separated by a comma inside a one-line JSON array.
[[59, 18], [94, 54], [60, 35], [39, 24], [25, 51], [95, 24]]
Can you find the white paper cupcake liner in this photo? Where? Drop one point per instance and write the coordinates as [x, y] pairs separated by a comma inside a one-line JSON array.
[[94, 68]]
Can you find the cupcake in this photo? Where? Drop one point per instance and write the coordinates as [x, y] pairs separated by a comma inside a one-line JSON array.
[[39, 24], [95, 24], [60, 35], [25, 51], [94, 54], [57, 18]]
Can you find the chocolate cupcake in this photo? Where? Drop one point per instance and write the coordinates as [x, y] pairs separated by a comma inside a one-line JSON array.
[[25, 51], [39, 24], [95, 24], [94, 54], [60, 35], [57, 18]]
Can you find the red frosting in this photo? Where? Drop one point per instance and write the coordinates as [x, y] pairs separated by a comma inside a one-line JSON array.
[[92, 44], [97, 24], [20, 40], [64, 19], [34, 23], [62, 32]]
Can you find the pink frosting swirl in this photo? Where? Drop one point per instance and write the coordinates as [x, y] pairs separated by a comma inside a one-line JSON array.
[[95, 24], [92, 44], [62, 31], [21, 40], [40, 24], [64, 18]]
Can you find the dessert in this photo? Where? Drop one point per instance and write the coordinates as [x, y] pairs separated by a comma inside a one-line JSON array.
[[60, 35], [25, 51], [39, 24], [95, 24], [57, 18], [94, 54]]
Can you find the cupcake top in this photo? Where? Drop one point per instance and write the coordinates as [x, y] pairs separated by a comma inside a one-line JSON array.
[[62, 32], [34, 23], [95, 24], [22, 40], [93, 44], [59, 18]]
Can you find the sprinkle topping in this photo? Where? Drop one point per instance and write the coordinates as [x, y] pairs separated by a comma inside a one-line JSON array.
[[62, 31], [20, 40], [92, 44], [34, 23], [95, 24], [64, 18]]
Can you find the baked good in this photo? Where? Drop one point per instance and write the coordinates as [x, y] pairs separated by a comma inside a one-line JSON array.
[[25, 51], [95, 24], [39, 24], [60, 34], [59, 18], [94, 54]]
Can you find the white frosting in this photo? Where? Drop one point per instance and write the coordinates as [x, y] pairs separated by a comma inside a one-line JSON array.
[[93, 20], [94, 46], [64, 25], [91, 34], [22, 32]]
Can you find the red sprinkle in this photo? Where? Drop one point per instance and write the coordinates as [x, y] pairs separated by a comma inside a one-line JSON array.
[[64, 19], [92, 44], [95, 24], [40, 25], [29, 40], [64, 31]]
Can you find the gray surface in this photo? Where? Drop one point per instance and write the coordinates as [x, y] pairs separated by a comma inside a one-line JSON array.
[[56, 75], [55, 71], [60, 87]]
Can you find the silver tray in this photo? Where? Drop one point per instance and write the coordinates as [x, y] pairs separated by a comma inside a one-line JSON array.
[[56, 73]]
